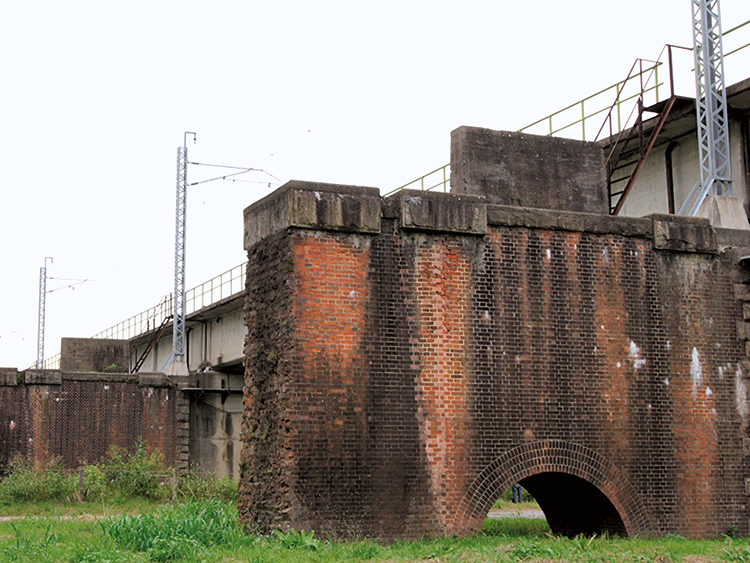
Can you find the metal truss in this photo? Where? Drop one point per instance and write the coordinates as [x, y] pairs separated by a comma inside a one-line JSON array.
[[178, 334], [711, 101], [42, 313]]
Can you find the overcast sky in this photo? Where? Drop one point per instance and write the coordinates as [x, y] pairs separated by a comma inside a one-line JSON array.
[[96, 97]]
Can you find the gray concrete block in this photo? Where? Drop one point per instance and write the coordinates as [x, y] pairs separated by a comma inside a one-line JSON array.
[[9, 376], [683, 234], [153, 380], [437, 211], [43, 377], [724, 211], [525, 170], [507, 216], [311, 205], [94, 355]]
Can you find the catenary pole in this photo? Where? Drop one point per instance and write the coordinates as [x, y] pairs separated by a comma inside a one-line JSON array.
[[42, 313], [178, 334]]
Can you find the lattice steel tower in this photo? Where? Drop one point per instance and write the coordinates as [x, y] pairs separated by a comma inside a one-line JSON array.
[[178, 334], [711, 101], [42, 313]]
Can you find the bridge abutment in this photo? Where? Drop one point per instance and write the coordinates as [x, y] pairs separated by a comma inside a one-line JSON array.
[[408, 359]]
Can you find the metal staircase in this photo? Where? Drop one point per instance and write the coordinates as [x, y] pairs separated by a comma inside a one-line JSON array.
[[628, 155], [631, 144], [151, 344]]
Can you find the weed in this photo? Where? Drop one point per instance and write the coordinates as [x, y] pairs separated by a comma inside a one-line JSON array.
[[515, 527], [136, 474], [298, 539], [196, 487], [365, 551], [25, 544], [736, 554], [174, 528], [526, 549], [583, 543], [26, 483]]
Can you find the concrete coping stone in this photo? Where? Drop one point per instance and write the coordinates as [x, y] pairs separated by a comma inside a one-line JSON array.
[[438, 211], [733, 238], [669, 232], [9, 377], [99, 376], [357, 209], [12, 377], [313, 205], [43, 377], [574, 221], [154, 380], [683, 234]]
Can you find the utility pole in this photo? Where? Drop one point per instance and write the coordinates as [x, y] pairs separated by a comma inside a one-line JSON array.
[[177, 364], [711, 102], [42, 311]]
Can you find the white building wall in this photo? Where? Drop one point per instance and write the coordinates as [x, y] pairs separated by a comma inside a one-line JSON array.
[[649, 194]]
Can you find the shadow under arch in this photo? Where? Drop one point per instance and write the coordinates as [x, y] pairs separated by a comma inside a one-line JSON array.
[[554, 471]]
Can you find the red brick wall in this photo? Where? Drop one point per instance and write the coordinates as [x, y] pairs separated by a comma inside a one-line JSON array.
[[398, 383], [79, 418], [442, 288]]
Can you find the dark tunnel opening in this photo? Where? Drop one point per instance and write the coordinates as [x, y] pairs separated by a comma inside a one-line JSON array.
[[573, 506]]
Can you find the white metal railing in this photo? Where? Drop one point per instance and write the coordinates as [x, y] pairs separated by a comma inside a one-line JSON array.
[[214, 290], [227, 284]]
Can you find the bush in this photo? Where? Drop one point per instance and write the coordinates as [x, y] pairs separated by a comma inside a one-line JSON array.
[[121, 475], [24, 483], [137, 474], [197, 487]]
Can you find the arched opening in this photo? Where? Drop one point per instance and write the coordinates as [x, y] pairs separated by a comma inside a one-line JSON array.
[[573, 506], [579, 490]]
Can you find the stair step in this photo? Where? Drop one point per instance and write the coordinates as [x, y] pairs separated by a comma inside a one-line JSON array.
[[623, 166]]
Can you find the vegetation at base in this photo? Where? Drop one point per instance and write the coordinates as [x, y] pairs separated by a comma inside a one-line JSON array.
[[120, 477], [208, 531], [178, 532], [203, 528], [516, 527]]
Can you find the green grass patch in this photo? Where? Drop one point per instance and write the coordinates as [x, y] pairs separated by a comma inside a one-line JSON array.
[[116, 528], [208, 531], [516, 527], [180, 532]]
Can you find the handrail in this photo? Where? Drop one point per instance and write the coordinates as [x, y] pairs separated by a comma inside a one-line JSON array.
[[223, 286], [443, 170]]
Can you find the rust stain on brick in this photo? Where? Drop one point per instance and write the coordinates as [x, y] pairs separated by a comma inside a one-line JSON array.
[[443, 290], [612, 344], [691, 378]]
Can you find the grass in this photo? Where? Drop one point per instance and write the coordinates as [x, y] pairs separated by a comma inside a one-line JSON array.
[[139, 527], [208, 531], [131, 479]]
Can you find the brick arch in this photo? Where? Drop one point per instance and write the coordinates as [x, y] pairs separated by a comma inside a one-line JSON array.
[[552, 456]]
